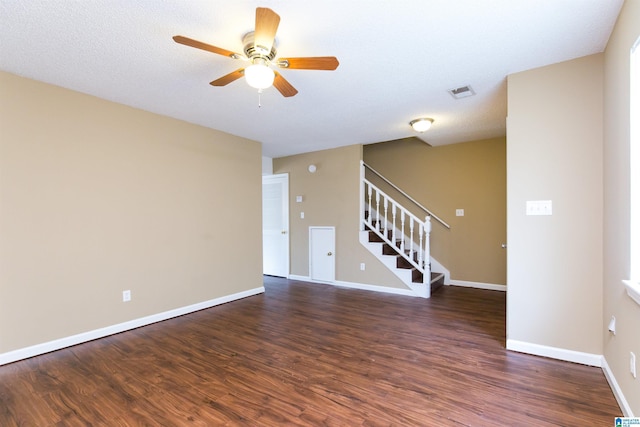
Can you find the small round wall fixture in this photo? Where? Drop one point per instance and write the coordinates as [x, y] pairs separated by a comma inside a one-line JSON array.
[[312, 168], [422, 124]]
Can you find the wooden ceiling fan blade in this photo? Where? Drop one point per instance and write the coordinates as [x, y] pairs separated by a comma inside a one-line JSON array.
[[310, 63], [267, 22], [283, 86], [231, 77], [204, 46]]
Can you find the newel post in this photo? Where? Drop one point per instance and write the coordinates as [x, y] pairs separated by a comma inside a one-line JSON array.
[[427, 250]]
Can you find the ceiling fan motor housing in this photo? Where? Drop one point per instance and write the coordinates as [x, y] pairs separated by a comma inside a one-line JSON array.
[[253, 52]]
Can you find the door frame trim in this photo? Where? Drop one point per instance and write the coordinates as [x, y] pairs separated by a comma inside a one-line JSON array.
[[275, 177]]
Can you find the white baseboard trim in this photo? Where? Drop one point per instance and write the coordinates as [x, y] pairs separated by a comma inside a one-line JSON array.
[[38, 349], [479, 285], [300, 278], [617, 392], [375, 288], [588, 359], [361, 286]]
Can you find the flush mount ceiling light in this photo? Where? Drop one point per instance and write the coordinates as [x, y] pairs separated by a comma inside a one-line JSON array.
[[258, 75], [422, 124]]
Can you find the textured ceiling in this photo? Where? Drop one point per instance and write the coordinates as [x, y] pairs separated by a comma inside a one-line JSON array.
[[397, 61]]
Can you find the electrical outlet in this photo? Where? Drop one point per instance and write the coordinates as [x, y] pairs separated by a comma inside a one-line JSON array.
[[632, 364], [362, 266], [126, 296]]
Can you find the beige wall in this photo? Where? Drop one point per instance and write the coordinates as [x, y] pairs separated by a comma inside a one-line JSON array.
[[330, 198], [97, 197], [616, 206], [554, 152], [469, 176]]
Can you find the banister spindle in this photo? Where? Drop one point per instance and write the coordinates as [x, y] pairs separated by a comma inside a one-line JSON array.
[[386, 225], [411, 237], [369, 206], [421, 251], [402, 230], [393, 225], [377, 210]]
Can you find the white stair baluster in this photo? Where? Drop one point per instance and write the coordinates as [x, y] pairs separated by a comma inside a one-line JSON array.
[[377, 210], [411, 237], [402, 230], [421, 252], [369, 207], [386, 225], [393, 225]]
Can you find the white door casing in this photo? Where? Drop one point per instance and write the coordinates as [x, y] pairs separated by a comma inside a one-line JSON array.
[[322, 249], [275, 225]]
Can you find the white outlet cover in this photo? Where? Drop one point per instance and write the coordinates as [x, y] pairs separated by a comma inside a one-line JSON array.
[[126, 296]]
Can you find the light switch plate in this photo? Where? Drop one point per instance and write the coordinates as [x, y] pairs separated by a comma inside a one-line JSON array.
[[298, 199], [539, 207], [459, 212]]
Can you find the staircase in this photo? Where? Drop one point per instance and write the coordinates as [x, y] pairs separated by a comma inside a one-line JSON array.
[[404, 270], [399, 239]]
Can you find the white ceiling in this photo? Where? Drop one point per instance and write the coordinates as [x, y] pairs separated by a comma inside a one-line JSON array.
[[397, 61]]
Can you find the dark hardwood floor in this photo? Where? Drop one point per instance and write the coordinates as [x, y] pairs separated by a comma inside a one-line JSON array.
[[310, 354]]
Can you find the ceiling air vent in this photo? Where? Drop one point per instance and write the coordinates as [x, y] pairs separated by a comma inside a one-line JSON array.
[[461, 92]]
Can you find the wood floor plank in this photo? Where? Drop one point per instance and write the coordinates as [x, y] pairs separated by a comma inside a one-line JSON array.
[[308, 354]]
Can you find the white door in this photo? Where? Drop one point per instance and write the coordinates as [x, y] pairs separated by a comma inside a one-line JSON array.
[[322, 248], [275, 225]]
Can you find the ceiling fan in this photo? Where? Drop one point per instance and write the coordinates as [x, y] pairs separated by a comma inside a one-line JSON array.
[[260, 52]]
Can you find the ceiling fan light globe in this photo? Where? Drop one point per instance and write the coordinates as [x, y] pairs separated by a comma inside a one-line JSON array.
[[259, 76]]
